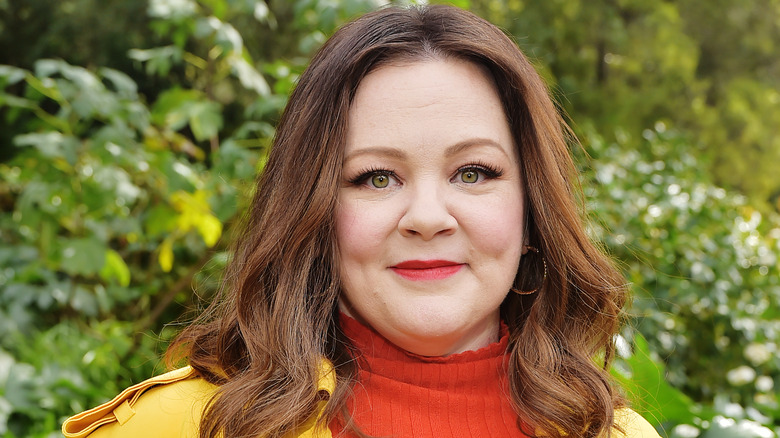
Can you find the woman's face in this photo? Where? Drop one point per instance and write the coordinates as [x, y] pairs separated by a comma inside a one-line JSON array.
[[430, 213]]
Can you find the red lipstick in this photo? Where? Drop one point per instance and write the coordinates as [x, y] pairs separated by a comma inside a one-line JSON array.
[[418, 270]]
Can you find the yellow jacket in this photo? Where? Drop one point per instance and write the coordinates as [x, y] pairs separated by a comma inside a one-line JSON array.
[[170, 406]]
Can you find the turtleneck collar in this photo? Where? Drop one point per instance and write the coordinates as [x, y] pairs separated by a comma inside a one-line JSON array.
[[373, 345], [401, 394]]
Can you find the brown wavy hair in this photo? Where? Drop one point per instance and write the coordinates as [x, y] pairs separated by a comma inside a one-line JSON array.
[[263, 338]]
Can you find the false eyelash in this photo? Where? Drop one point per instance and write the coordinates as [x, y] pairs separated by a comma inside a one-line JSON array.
[[489, 170], [368, 172]]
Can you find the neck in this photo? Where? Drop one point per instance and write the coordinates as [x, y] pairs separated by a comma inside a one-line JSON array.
[[439, 344]]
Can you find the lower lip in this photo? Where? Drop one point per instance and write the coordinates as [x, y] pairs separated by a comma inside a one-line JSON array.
[[437, 273]]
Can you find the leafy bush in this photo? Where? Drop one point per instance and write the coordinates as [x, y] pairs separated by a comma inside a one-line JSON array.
[[105, 195], [705, 273]]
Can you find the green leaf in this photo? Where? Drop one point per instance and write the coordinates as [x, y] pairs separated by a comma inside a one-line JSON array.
[[47, 88], [51, 144], [176, 108], [115, 269], [224, 34], [84, 79], [463, 4], [158, 60], [648, 390], [11, 74], [160, 220], [249, 76], [123, 84], [16, 101], [205, 119], [85, 256], [48, 67], [170, 109], [218, 7], [84, 301]]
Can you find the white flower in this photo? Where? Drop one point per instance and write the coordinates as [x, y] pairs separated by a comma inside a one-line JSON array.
[[171, 8], [741, 375], [757, 353], [723, 422], [742, 428], [765, 384], [622, 347], [734, 410], [685, 431], [754, 429], [756, 415]]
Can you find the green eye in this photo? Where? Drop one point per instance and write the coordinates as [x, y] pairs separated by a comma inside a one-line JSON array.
[[380, 181], [469, 176]]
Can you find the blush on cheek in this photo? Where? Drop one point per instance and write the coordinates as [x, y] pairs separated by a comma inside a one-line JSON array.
[[498, 233], [359, 230]]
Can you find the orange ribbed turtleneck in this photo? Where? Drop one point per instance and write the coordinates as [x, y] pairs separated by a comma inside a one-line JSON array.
[[400, 394]]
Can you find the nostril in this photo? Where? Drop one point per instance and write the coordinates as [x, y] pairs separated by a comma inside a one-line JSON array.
[[427, 214]]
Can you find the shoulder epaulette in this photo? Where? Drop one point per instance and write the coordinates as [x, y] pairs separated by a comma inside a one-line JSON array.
[[171, 405], [120, 409]]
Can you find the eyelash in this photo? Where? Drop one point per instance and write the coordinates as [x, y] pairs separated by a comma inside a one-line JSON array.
[[489, 171], [364, 175]]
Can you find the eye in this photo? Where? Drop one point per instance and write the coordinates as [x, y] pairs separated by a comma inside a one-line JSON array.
[[469, 176], [375, 179], [380, 181], [476, 173]]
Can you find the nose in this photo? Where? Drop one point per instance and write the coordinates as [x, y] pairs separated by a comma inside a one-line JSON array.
[[427, 215]]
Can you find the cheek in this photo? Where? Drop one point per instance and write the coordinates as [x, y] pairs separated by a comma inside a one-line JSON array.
[[360, 230], [498, 228]]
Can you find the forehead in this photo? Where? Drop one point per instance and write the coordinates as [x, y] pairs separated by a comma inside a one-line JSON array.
[[425, 103], [447, 74]]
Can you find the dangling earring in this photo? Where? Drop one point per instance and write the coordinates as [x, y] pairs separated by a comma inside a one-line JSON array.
[[529, 273]]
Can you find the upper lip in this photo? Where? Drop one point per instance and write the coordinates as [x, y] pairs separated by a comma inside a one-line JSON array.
[[424, 264]]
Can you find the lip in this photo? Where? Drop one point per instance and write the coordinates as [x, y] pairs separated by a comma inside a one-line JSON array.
[[420, 270]]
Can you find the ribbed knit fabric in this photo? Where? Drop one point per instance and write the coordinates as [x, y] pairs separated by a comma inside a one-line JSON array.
[[402, 395]]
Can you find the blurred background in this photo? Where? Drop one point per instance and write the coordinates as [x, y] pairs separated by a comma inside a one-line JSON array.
[[130, 132]]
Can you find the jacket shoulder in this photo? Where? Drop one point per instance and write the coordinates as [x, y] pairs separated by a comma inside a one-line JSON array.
[[169, 405], [633, 425]]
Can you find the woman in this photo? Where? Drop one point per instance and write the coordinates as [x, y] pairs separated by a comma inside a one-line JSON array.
[[414, 262]]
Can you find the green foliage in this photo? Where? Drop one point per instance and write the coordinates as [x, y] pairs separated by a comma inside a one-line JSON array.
[[708, 68], [704, 269], [644, 380], [81, 236]]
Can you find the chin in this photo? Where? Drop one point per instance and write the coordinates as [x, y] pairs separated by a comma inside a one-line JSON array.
[[433, 333]]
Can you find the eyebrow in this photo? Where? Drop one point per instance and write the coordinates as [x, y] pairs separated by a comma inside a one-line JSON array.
[[449, 152], [472, 142]]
